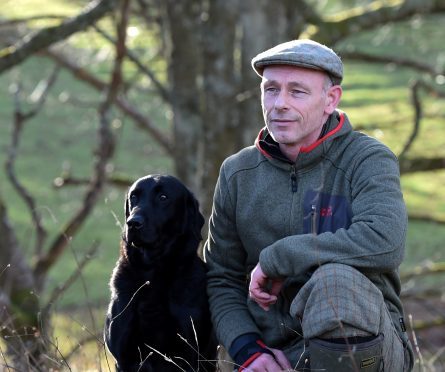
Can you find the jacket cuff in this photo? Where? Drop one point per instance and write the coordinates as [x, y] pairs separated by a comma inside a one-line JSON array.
[[246, 348]]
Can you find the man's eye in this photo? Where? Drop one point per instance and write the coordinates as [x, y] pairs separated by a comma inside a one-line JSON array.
[[297, 92], [271, 90]]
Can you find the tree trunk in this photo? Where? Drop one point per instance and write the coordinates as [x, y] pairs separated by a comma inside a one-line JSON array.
[[185, 75], [222, 128], [212, 46], [19, 305]]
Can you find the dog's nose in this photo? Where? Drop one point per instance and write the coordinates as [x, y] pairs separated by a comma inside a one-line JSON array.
[[135, 222]]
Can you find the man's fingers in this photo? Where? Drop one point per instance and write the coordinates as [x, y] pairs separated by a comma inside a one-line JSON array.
[[281, 359], [257, 288], [259, 294], [276, 287], [264, 363]]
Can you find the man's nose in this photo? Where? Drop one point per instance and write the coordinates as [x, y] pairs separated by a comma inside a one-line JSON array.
[[281, 101], [135, 222]]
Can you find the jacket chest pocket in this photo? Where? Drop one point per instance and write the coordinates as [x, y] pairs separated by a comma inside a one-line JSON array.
[[325, 213]]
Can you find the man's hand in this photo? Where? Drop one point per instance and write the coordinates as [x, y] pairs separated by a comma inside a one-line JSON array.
[[266, 363], [258, 288]]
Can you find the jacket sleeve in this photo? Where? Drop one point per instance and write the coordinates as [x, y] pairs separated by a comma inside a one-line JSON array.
[[375, 240], [227, 278]]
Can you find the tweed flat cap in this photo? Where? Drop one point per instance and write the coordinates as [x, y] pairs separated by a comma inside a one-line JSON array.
[[302, 53]]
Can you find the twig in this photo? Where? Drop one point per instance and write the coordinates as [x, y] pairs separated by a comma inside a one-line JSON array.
[[68, 180], [6, 364], [20, 119], [166, 358], [426, 269], [399, 61], [15, 21], [104, 152], [421, 164], [132, 57], [416, 345], [131, 300], [417, 104], [85, 289], [58, 291], [141, 120], [81, 343], [370, 16], [418, 112], [422, 293], [420, 325], [15, 54]]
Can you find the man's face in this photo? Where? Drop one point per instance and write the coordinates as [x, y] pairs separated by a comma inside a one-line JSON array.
[[296, 103]]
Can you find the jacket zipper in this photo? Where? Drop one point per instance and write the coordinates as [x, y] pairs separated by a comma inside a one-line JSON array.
[[293, 178], [313, 220]]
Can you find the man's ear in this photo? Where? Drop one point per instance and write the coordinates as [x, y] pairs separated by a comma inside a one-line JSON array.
[[333, 96]]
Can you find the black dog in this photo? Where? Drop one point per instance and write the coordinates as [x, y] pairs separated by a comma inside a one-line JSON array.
[[158, 318]]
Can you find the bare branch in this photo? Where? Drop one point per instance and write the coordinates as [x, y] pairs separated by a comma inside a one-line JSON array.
[[331, 30], [432, 90], [421, 294], [19, 121], [132, 57], [417, 117], [15, 21], [83, 342], [426, 324], [142, 121], [423, 270], [104, 152], [399, 61], [12, 260], [15, 54], [59, 290], [68, 180], [417, 104], [421, 164], [426, 218]]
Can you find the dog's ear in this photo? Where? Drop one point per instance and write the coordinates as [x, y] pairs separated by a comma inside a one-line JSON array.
[[127, 206], [195, 219]]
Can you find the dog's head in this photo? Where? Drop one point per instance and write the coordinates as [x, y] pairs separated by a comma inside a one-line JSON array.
[[159, 210]]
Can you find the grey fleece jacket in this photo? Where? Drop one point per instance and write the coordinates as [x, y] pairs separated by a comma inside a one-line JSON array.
[[339, 202]]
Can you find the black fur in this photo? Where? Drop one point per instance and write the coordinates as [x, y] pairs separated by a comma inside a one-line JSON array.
[[159, 283]]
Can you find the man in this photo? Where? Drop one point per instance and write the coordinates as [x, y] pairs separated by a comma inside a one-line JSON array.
[[307, 231]]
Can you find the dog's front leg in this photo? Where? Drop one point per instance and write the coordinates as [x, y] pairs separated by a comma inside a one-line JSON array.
[[120, 333]]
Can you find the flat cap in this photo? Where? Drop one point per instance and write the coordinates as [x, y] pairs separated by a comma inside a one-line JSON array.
[[302, 53]]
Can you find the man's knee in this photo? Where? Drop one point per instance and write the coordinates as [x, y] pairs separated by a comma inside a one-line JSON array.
[[338, 301]]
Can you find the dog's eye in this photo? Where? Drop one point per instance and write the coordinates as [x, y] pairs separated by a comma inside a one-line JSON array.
[[133, 198], [163, 197]]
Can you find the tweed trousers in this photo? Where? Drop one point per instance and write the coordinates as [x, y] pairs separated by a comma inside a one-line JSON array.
[[340, 302]]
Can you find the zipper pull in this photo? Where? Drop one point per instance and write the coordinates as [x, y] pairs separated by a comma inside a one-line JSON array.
[[314, 219], [293, 177]]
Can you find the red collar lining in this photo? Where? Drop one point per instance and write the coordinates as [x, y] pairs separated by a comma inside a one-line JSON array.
[[326, 136], [308, 148], [258, 145]]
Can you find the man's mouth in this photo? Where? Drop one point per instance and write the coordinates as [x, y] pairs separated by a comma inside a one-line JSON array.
[[282, 121]]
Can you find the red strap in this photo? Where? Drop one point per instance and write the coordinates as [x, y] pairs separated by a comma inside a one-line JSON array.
[[248, 361], [261, 343]]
